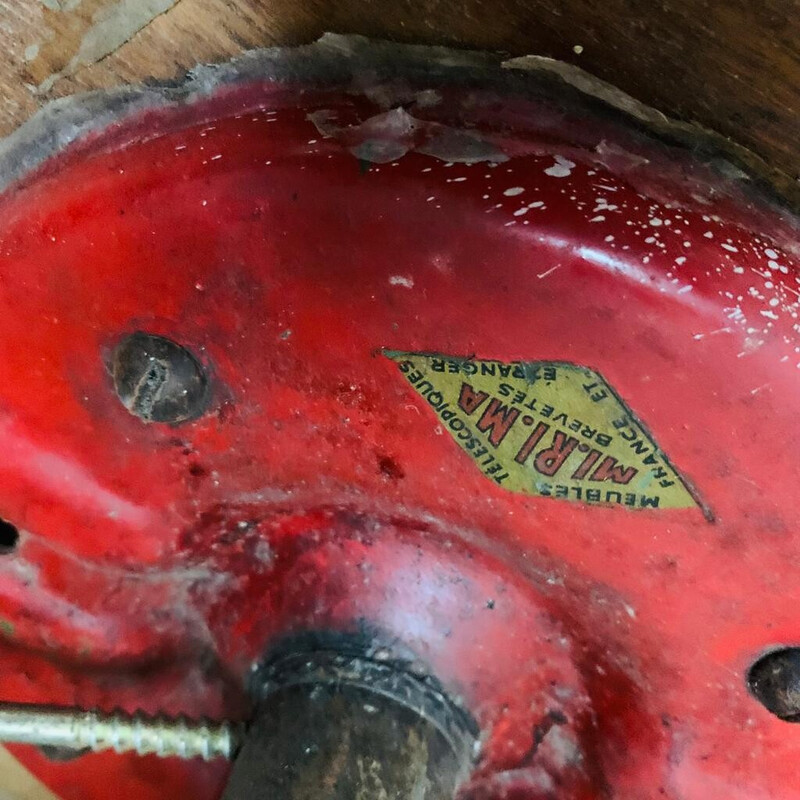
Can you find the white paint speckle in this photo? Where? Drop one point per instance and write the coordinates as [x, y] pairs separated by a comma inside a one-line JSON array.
[[547, 272], [770, 253], [656, 222], [513, 191], [402, 280], [561, 169]]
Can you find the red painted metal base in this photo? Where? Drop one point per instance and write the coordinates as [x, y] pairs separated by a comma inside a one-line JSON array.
[[288, 236]]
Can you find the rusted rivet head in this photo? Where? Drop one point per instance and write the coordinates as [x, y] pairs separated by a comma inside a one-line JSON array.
[[158, 380], [774, 681]]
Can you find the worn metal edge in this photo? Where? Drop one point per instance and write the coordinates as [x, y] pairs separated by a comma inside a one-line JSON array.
[[362, 63]]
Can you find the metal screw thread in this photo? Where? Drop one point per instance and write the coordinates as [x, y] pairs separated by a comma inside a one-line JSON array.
[[118, 731]]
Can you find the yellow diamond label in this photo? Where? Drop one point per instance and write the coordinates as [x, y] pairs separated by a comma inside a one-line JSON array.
[[547, 429]]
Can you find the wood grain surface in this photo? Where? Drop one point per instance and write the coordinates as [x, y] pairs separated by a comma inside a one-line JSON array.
[[16, 783], [729, 65]]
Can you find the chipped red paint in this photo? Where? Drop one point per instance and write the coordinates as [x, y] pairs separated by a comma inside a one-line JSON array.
[[158, 563]]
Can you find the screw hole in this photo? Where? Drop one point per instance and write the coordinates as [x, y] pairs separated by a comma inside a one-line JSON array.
[[774, 680], [158, 380], [9, 537]]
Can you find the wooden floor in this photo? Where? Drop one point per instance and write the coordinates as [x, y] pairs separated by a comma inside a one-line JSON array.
[[730, 65]]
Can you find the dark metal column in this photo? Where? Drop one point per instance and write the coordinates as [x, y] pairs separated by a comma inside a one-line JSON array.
[[336, 726]]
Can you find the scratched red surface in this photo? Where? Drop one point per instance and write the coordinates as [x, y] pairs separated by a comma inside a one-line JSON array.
[[158, 562]]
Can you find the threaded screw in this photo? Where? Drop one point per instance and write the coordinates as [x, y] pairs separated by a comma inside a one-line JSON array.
[[48, 726]]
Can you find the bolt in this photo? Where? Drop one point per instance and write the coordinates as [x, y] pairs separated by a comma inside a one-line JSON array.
[[158, 380], [74, 729]]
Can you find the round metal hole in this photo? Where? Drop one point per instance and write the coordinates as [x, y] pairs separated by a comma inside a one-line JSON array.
[[774, 681], [9, 537]]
